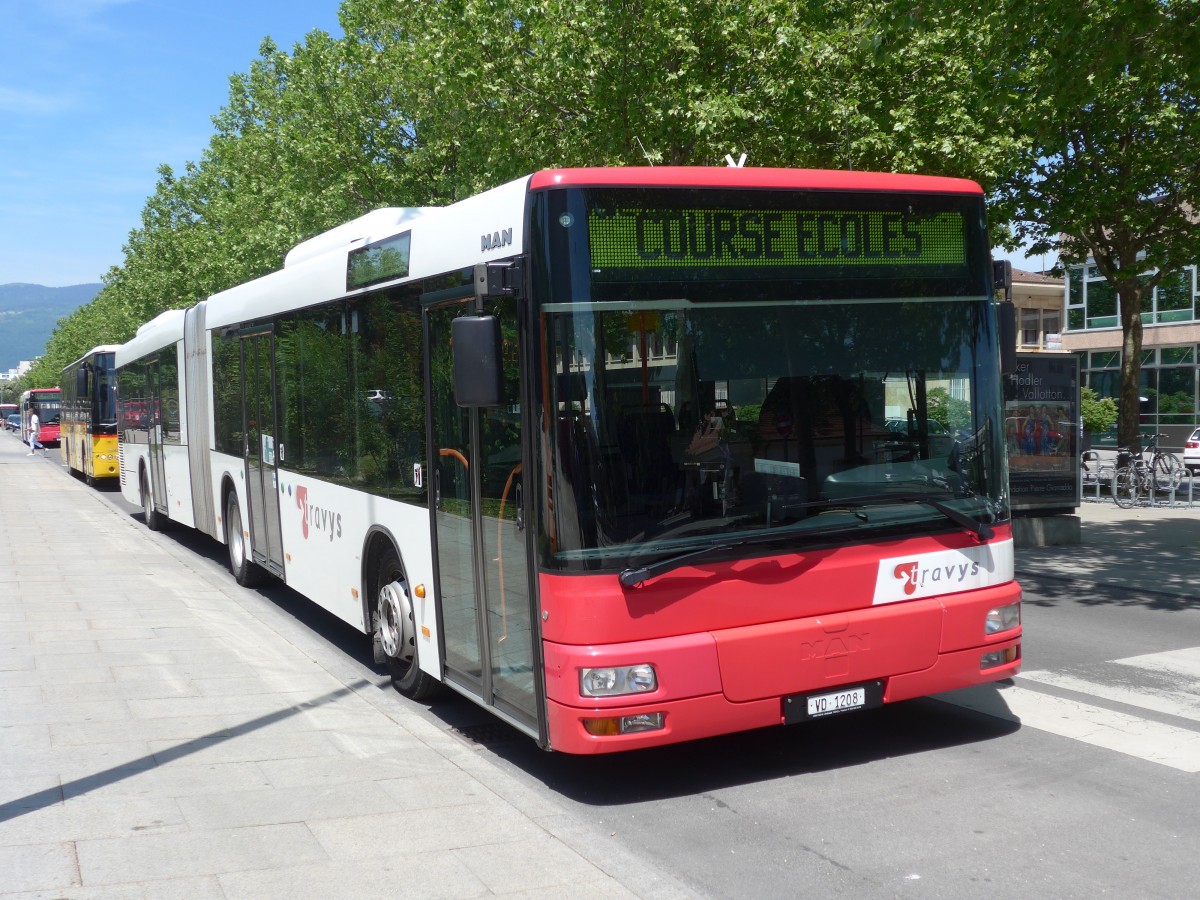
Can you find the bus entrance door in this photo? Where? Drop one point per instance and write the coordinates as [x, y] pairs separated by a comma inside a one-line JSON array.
[[262, 480], [480, 542], [156, 424]]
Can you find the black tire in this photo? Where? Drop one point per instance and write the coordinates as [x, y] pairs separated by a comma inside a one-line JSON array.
[[1125, 487], [395, 628], [149, 514], [245, 571], [1168, 472]]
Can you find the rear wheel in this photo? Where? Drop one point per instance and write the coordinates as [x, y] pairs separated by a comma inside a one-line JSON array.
[[396, 629], [149, 514], [244, 570]]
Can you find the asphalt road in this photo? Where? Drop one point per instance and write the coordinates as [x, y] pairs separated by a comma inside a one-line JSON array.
[[1079, 779]]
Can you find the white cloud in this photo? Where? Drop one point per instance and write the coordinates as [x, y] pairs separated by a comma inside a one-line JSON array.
[[80, 10], [29, 102]]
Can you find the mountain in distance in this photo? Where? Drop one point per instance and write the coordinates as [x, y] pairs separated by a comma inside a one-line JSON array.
[[29, 313]]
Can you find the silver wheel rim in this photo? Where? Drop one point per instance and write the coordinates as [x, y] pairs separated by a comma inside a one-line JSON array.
[[395, 618], [237, 550]]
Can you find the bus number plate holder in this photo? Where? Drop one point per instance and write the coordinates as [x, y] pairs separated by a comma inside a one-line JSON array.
[[821, 704]]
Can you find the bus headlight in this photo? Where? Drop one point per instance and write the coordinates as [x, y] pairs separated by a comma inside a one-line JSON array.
[[618, 680], [1002, 618]]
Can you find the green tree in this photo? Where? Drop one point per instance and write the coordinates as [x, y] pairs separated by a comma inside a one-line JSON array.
[[1108, 99], [1098, 414]]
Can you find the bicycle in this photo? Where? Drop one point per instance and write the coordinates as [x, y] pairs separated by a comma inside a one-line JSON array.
[[1136, 477]]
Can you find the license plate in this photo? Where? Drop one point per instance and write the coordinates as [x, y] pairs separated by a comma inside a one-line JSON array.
[[805, 707], [838, 701]]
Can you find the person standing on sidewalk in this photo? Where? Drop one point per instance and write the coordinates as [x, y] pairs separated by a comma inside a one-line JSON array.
[[35, 428]]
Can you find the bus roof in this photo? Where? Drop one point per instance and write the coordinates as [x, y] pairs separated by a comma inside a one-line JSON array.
[[733, 177], [164, 329], [95, 351]]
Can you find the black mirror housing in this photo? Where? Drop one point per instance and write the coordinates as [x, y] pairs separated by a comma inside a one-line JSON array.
[[478, 377]]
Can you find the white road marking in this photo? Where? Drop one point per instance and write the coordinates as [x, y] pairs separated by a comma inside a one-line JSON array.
[[1176, 703], [1155, 742], [1184, 663]]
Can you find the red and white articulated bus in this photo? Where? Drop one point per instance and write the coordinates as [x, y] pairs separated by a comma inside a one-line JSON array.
[[47, 402], [626, 456]]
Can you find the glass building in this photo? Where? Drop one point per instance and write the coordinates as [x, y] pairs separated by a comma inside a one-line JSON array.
[[1170, 335]]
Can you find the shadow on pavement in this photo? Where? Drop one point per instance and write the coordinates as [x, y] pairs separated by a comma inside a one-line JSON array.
[[912, 727]]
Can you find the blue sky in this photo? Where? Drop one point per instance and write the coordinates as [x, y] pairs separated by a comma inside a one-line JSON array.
[[95, 95]]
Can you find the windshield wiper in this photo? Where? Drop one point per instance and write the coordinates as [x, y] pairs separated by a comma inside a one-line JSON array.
[[632, 577], [981, 530]]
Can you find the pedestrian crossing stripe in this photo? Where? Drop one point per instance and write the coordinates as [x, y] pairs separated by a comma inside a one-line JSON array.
[[1157, 742], [1173, 703]]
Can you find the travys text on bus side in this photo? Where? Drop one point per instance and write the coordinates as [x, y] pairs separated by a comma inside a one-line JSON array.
[[641, 238]]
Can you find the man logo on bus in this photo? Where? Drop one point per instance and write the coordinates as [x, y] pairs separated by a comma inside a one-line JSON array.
[[908, 572], [317, 518]]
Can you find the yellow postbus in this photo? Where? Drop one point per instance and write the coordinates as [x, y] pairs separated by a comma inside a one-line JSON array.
[[89, 415]]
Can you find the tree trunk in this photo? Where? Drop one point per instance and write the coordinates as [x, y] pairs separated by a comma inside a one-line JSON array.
[[1129, 294]]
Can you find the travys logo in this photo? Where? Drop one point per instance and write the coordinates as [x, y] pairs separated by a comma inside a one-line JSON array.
[[317, 518], [943, 572], [912, 574]]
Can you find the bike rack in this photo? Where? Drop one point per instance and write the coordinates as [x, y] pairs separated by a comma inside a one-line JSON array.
[[1093, 482]]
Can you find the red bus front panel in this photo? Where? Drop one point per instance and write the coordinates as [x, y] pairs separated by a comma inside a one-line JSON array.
[[836, 623]]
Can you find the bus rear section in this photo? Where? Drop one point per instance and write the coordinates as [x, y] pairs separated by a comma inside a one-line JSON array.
[[775, 484]]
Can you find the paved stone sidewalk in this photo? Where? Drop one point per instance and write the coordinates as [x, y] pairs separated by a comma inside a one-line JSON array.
[[1154, 548], [163, 736]]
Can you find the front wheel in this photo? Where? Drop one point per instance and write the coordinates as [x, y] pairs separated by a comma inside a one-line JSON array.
[[396, 629], [1168, 472], [1125, 487], [244, 570]]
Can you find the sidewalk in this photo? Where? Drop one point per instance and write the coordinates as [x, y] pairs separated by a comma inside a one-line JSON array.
[[162, 736], [1145, 548]]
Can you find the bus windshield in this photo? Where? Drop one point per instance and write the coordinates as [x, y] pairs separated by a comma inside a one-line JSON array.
[[48, 407], [805, 400], [105, 387]]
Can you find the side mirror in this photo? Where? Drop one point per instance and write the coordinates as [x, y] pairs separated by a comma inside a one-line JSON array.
[[478, 377], [1006, 316], [1006, 313]]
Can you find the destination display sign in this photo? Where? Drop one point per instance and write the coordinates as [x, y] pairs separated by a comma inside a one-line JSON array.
[[757, 239], [381, 261]]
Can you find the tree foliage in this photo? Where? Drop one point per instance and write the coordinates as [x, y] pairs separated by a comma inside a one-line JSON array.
[[1111, 170], [1097, 413]]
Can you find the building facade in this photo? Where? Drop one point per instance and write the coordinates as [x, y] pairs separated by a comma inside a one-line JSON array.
[[1039, 302], [1170, 336]]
